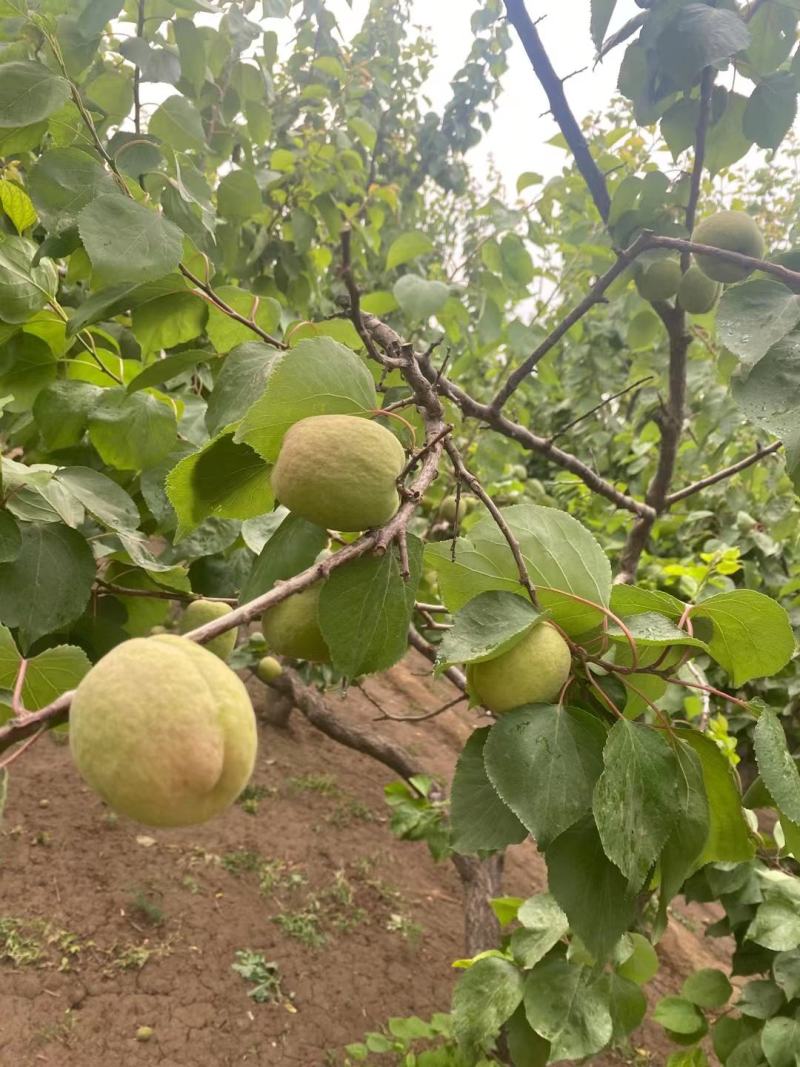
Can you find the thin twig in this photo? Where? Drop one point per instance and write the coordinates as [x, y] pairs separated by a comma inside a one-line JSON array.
[[137, 75], [354, 295], [160, 594], [706, 88], [420, 718], [16, 699], [727, 472], [599, 407]]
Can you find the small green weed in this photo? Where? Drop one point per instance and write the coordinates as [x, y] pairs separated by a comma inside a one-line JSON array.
[[265, 976], [241, 862], [145, 908], [251, 796], [304, 926], [18, 945], [325, 784]]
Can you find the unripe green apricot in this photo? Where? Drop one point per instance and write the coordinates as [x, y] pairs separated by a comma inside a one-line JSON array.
[[268, 669], [659, 280], [698, 293], [734, 231], [451, 509], [163, 731], [532, 672], [292, 627], [339, 471], [198, 613]]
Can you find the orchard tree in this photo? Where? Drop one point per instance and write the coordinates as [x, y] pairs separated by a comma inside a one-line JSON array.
[[263, 356]]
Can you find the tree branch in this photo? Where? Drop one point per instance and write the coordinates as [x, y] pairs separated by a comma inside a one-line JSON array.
[[726, 472], [706, 88], [553, 87], [453, 674], [790, 278]]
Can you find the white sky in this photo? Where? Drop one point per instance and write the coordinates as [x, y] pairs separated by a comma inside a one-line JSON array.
[[517, 139]]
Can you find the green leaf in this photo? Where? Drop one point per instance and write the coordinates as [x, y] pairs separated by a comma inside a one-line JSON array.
[[132, 432], [223, 479], [780, 1040], [628, 1006], [635, 799], [52, 673], [775, 764], [419, 298], [754, 316], [318, 377], [526, 1047], [162, 370], [479, 818], [27, 365], [293, 547], [726, 142], [169, 321], [128, 242], [752, 635], [488, 625], [178, 124], [544, 761], [517, 262], [651, 630], [96, 14], [226, 333], [678, 1015], [729, 838], [101, 496], [643, 329], [561, 556], [595, 896], [111, 301], [238, 195], [61, 412], [760, 999], [48, 585], [568, 1005], [10, 538], [786, 971], [693, 1057], [629, 600], [543, 925], [24, 289], [602, 10], [776, 925], [29, 93], [679, 125], [486, 996], [636, 960], [771, 111], [62, 182], [406, 247], [773, 30], [17, 205], [699, 37], [365, 610], [707, 988], [242, 376]]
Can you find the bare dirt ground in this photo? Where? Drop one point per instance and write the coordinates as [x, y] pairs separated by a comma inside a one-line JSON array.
[[106, 927]]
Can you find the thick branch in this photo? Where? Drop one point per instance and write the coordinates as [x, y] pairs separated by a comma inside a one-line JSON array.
[[553, 87], [453, 674], [727, 472], [790, 278]]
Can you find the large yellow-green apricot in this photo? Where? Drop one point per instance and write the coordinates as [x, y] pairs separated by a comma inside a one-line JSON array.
[[198, 613], [659, 280], [698, 293], [163, 731], [532, 672], [339, 471], [734, 231], [292, 627]]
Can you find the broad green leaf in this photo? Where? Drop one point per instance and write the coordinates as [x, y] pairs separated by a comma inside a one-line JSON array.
[[776, 765], [47, 586], [226, 333], [602, 10], [52, 673], [707, 988], [628, 1006], [406, 247], [178, 124], [786, 971], [111, 301], [318, 377], [527, 1048], [726, 142], [568, 1005], [635, 799], [490, 624], [17, 205], [27, 365], [754, 316], [770, 396], [561, 556], [61, 412], [776, 925], [223, 479], [101, 496], [293, 547], [95, 14], [636, 959], [169, 321], [780, 1040], [63, 181], [679, 125], [132, 432], [365, 609], [238, 195], [591, 890], [773, 30], [162, 370], [420, 298], [643, 329], [760, 999], [698, 37], [486, 996], [128, 242], [652, 630], [29, 92], [544, 762], [693, 1057], [631, 600], [752, 635], [771, 110], [729, 838], [678, 1015], [24, 289], [517, 262], [10, 538], [480, 820], [242, 376], [543, 925]]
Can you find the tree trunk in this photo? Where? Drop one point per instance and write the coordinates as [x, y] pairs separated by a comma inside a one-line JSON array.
[[481, 880]]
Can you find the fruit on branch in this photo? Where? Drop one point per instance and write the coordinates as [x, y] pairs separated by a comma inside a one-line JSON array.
[[198, 613], [292, 627], [532, 672], [452, 509], [659, 279], [268, 669], [735, 231], [698, 293], [163, 731], [339, 471]]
